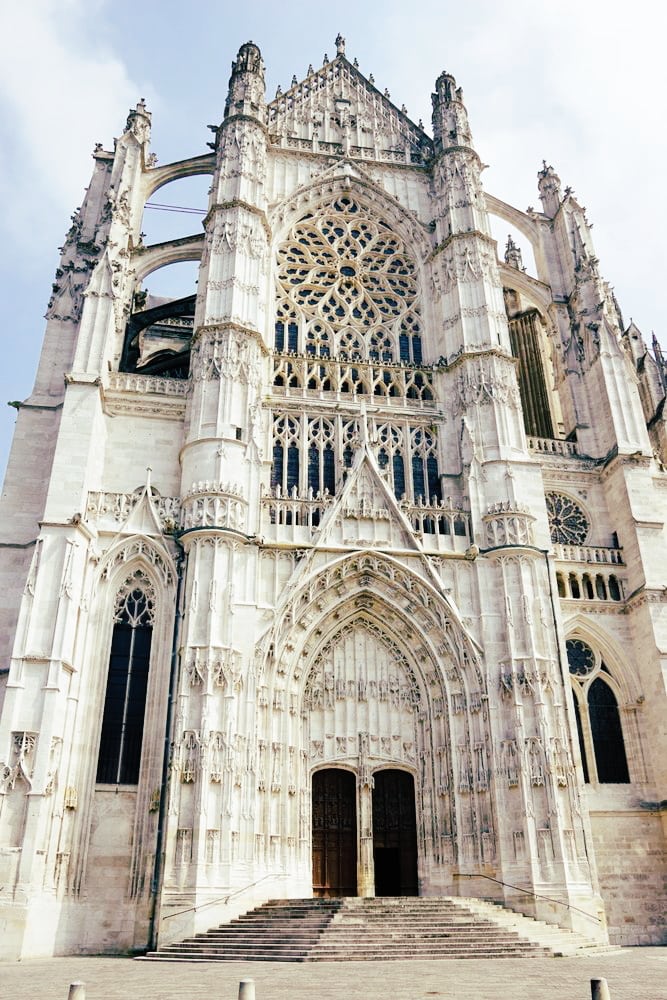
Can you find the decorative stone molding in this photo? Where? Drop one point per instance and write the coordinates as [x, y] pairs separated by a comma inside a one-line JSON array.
[[485, 380], [226, 354], [221, 667], [117, 507], [139, 548]]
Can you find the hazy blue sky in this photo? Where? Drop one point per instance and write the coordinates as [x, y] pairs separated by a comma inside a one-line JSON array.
[[581, 84]]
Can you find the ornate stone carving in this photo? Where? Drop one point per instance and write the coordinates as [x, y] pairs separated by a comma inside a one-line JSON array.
[[21, 761], [486, 380], [118, 507], [226, 354], [220, 666], [508, 523], [214, 505], [567, 520]]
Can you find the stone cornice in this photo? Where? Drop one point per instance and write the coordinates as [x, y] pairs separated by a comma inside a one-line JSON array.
[[219, 327]]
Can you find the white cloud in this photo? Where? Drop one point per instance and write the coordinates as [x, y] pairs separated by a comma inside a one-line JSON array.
[[61, 89]]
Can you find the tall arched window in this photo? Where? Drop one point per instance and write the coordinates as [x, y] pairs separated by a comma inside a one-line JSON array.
[[597, 716], [127, 682]]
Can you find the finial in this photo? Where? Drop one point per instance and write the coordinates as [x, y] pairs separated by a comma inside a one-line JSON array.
[[356, 63], [386, 93], [513, 254], [279, 90], [294, 81], [340, 45], [371, 79], [326, 59], [310, 69], [149, 470], [420, 124], [404, 110]]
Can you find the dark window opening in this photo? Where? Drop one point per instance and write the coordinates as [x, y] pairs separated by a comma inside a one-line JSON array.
[[125, 699], [608, 745]]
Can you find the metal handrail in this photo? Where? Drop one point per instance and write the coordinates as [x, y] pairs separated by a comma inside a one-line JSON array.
[[519, 888], [220, 899]]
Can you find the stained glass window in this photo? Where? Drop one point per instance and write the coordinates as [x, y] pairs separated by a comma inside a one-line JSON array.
[[567, 521]]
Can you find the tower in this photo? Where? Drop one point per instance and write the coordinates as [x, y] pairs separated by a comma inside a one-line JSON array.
[[343, 574]]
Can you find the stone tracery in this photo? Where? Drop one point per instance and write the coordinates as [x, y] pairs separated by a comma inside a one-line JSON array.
[[350, 283]]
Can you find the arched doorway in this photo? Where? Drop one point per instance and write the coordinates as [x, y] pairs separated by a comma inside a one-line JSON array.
[[394, 834], [334, 833]]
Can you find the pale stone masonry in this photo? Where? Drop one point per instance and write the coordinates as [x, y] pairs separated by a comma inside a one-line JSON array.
[[393, 592]]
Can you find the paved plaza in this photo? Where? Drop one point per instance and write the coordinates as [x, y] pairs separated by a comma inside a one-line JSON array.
[[632, 974]]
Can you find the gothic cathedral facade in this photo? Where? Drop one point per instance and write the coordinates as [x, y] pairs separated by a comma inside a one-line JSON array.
[[344, 575]]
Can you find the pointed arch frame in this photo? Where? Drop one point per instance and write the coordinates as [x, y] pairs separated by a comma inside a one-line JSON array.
[[124, 557]]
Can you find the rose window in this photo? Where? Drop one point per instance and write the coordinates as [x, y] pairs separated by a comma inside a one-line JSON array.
[[349, 287], [580, 657], [567, 521]]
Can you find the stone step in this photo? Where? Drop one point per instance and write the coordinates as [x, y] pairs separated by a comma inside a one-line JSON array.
[[358, 930]]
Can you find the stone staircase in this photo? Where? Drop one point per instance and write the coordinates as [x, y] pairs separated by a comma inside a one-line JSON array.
[[386, 928]]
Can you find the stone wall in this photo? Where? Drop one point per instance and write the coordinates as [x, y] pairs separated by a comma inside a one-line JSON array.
[[629, 850]]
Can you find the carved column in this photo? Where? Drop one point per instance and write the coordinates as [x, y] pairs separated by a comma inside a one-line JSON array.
[[365, 864]]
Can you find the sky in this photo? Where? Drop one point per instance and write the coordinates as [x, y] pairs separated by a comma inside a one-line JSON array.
[[580, 84]]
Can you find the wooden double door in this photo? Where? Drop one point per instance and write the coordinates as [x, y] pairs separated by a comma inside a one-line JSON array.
[[335, 833]]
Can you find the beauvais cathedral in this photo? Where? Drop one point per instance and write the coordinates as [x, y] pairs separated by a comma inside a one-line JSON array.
[[343, 575]]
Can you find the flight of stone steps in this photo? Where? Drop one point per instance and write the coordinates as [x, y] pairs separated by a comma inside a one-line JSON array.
[[356, 929]]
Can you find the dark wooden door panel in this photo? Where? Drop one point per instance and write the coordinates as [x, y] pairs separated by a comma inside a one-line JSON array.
[[334, 833], [394, 834]]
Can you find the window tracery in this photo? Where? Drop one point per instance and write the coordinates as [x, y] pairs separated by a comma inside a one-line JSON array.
[[567, 521], [311, 455], [351, 285], [597, 715], [127, 682]]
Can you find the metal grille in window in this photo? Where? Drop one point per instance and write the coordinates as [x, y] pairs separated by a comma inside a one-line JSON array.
[[567, 521], [354, 278]]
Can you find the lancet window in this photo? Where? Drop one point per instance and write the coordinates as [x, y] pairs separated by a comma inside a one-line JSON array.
[[286, 464], [598, 719], [347, 288], [127, 683], [311, 455]]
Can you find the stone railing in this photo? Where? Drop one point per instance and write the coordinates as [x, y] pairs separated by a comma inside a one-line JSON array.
[[442, 525], [303, 376], [294, 510], [588, 554], [115, 508], [439, 518], [132, 382], [553, 446]]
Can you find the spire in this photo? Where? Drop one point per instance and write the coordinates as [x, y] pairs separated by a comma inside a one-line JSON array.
[[548, 184], [450, 118], [245, 95]]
